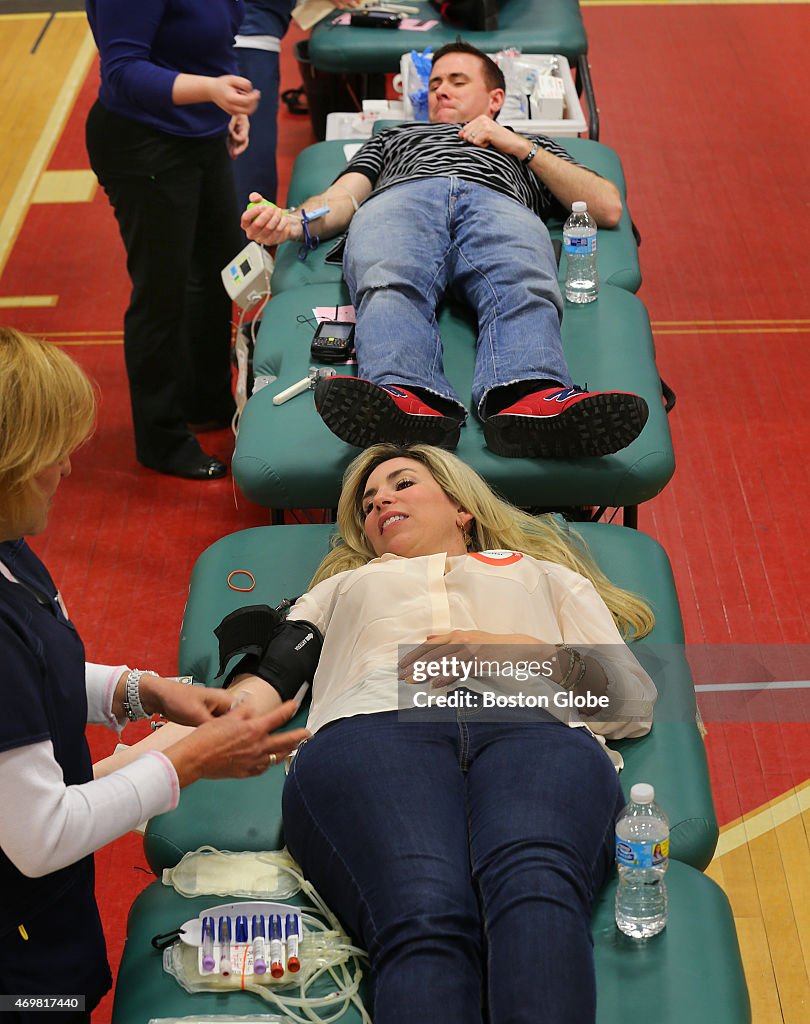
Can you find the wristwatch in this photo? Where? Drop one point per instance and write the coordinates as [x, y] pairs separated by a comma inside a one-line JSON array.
[[576, 668], [531, 154]]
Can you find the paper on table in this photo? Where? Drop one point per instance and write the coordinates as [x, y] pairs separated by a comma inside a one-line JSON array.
[[309, 12], [408, 24], [341, 314], [415, 25]]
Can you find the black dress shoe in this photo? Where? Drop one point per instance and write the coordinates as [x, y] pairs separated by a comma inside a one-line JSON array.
[[197, 466]]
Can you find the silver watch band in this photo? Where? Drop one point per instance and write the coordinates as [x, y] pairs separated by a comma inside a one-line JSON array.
[[576, 668]]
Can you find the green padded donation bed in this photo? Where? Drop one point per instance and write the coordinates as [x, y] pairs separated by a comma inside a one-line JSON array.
[[246, 814], [691, 972], [536, 26], [287, 458], [317, 166]]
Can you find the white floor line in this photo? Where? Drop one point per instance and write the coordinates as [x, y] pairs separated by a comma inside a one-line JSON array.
[[796, 684], [782, 810]]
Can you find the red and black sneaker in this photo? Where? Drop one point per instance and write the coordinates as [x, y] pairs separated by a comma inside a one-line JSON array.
[[362, 414], [566, 423]]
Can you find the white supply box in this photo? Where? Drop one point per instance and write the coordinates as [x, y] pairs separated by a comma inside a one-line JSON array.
[[560, 113], [353, 125]]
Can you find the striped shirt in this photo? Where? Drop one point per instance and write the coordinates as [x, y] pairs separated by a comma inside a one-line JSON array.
[[409, 152]]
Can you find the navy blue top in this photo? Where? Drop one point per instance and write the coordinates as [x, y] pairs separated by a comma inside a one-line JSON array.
[[266, 17], [145, 44], [44, 698]]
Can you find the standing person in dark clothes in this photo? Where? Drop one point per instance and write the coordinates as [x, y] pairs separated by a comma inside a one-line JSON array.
[[171, 114]]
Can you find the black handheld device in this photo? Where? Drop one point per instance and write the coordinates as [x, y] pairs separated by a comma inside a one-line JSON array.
[[372, 18], [333, 341]]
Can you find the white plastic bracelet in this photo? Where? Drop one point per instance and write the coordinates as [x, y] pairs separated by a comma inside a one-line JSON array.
[[132, 700]]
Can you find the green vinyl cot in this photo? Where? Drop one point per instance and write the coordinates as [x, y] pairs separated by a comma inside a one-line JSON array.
[[246, 814], [536, 26], [691, 971], [317, 166], [287, 458]]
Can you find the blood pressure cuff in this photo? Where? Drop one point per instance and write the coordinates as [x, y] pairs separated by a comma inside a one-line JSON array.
[[283, 652]]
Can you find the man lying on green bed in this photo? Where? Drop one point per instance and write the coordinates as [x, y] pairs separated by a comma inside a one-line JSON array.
[[459, 205]]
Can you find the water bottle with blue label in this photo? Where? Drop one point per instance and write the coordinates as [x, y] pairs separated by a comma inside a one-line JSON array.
[[579, 243], [642, 858]]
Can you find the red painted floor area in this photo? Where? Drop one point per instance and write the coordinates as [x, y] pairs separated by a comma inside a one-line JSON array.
[[705, 107]]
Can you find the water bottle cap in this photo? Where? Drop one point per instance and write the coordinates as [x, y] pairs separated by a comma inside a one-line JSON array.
[[579, 207], [642, 793]]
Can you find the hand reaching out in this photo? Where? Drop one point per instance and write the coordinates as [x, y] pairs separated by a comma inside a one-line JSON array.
[[238, 745], [269, 224]]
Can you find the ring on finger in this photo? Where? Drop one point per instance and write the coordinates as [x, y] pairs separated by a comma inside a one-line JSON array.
[[272, 759]]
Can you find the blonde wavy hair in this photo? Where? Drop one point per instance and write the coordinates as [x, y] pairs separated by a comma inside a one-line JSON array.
[[495, 524], [47, 410]]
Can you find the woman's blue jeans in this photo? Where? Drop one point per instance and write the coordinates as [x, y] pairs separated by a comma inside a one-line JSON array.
[[465, 856], [410, 244]]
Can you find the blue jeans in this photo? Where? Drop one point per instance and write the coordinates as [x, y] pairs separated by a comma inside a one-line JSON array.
[[465, 856], [413, 242]]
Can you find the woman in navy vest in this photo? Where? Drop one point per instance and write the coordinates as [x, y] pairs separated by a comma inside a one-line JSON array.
[[54, 813]]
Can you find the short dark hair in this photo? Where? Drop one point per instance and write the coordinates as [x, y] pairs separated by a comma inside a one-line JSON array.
[[493, 76]]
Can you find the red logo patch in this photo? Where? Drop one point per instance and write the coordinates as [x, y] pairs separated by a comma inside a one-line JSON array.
[[497, 557]]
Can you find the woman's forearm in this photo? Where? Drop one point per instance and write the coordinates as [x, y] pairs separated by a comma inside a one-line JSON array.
[[47, 825], [192, 89]]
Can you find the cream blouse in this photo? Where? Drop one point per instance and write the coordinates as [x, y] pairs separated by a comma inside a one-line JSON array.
[[366, 615]]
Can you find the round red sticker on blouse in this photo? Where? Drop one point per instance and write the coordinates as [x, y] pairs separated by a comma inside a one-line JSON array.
[[497, 557]]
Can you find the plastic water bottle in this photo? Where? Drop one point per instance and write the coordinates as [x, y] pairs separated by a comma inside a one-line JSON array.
[[642, 858], [579, 242]]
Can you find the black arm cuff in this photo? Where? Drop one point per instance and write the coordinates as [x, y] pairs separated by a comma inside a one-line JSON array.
[[285, 657], [291, 657]]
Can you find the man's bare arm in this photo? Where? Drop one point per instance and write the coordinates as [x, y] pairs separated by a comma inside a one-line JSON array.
[[271, 225], [568, 182]]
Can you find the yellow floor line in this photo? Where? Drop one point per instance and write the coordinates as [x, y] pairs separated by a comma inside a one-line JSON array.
[[90, 341], [85, 334], [28, 301], [756, 824], [723, 323], [18, 204], [65, 187], [24, 15], [730, 330]]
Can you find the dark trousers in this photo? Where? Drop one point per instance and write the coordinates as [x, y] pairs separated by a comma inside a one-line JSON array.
[[174, 201], [255, 170]]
